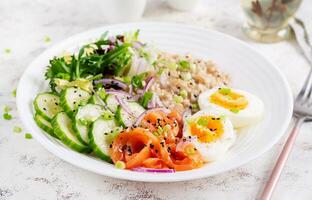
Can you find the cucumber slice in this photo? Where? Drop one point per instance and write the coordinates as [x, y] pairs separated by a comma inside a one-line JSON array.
[[44, 124], [73, 97], [126, 119], [85, 116], [101, 136], [62, 126], [111, 102], [95, 99], [47, 105]]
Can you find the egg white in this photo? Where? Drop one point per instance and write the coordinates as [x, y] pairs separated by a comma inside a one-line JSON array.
[[215, 150], [252, 114]]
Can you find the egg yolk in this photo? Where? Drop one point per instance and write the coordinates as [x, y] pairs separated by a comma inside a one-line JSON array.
[[206, 128], [228, 99]]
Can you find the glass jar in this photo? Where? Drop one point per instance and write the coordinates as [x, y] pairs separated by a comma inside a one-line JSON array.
[[267, 20]]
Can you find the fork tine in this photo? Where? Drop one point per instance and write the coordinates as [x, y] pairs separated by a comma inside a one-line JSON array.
[[305, 91]]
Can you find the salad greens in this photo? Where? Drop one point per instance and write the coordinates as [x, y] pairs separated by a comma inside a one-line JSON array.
[[107, 56], [96, 92]]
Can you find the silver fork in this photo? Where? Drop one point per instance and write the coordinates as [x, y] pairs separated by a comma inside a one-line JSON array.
[[302, 109]]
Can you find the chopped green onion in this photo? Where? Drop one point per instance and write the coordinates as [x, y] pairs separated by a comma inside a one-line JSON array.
[[127, 79], [177, 99], [7, 50], [17, 129], [14, 93], [101, 92], [224, 91], [167, 128], [7, 116], [83, 122], [146, 98], [234, 110], [28, 136], [120, 165], [6, 109], [47, 39], [107, 116], [189, 150], [202, 121], [194, 106], [172, 66], [160, 130], [155, 133], [184, 65], [137, 81], [183, 93], [160, 71], [96, 77], [186, 76]]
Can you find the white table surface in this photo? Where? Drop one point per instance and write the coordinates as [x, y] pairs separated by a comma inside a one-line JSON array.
[[28, 171]]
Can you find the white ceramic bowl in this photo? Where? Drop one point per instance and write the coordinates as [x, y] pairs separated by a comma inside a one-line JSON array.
[[248, 70]]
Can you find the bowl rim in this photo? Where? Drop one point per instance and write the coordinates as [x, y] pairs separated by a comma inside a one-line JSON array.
[[82, 162]]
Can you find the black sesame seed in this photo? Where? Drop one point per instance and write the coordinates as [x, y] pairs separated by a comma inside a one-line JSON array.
[[74, 102], [105, 133], [110, 146], [169, 149], [151, 146], [79, 95], [44, 109], [179, 87], [195, 95], [56, 104], [156, 151], [148, 121], [165, 138]]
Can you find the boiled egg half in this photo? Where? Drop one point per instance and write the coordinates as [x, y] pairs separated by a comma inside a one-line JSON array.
[[243, 108], [212, 133]]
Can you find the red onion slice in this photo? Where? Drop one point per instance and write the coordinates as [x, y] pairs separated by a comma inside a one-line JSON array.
[[111, 81], [137, 44], [158, 102], [149, 83], [112, 39], [152, 103], [123, 105], [186, 113], [180, 146], [152, 170], [118, 93]]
